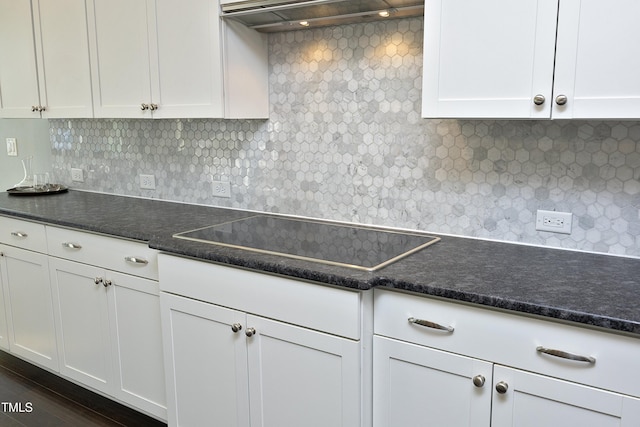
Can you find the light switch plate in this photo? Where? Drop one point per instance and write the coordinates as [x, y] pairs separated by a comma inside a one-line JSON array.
[[12, 147]]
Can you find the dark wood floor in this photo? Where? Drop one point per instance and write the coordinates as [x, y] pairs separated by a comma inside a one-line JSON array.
[[33, 397]]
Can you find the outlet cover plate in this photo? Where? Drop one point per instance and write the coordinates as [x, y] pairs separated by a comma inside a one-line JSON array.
[[12, 147], [77, 175], [555, 222], [147, 182], [221, 189]]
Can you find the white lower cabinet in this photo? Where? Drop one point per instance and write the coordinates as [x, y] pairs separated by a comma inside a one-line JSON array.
[[28, 310], [416, 385], [458, 376], [107, 323], [230, 367]]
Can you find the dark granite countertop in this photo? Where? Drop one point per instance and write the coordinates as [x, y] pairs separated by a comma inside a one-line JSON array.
[[590, 289]]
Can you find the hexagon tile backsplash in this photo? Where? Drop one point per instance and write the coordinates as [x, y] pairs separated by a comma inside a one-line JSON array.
[[345, 141]]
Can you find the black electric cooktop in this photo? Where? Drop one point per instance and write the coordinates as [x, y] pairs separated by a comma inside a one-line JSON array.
[[359, 247]]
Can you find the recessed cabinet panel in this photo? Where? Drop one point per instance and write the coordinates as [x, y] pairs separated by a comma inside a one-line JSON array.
[[415, 385], [18, 70], [534, 59], [596, 67], [302, 377], [82, 323], [188, 59], [535, 400], [63, 52], [206, 363], [28, 306], [118, 31], [489, 58]]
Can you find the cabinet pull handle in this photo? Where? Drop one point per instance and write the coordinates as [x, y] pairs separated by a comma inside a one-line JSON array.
[[478, 381], [431, 325], [561, 99], [19, 234], [153, 107], [144, 107], [250, 332], [70, 245], [236, 327], [564, 355], [502, 387], [135, 260], [97, 280], [34, 108], [107, 283], [538, 99]]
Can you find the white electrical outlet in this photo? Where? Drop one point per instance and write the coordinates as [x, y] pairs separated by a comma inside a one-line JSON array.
[[555, 222], [148, 182], [12, 147], [221, 189], [77, 175]]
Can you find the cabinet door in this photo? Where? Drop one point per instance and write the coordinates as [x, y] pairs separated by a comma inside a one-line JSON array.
[[488, 59], [415, 385], [18, 70], [595, 67], [118, 34], [29, 308], [82, 323], [533, 400], [301, 377], [63, 54], [186, 65], [205, 364], [4, 328], [137, 337]]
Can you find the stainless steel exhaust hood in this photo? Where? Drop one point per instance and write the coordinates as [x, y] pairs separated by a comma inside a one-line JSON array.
[[287, 15]]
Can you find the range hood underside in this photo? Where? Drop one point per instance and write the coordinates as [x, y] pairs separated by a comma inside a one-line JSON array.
[[287, 15]]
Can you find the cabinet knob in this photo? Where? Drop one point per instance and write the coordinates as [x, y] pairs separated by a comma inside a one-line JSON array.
[[561, 99], [97, 280], [539, 99], [236, 327], [250, 332], [478, 381], [502, 387], [144, 107]]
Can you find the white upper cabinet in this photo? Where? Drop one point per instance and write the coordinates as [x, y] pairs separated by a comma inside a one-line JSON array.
[[44, 65], [168, 59], [495, 59]]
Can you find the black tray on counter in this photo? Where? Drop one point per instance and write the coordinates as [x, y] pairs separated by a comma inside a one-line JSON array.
[[31, 191]]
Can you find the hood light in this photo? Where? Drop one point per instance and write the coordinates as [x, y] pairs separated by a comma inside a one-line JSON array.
[[384, 13], [304, 23]]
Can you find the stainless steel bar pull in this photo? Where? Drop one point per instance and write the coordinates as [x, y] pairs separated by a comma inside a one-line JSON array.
[[428, 324], [564, 355], [136, 260], [20, 234], [70, 245]]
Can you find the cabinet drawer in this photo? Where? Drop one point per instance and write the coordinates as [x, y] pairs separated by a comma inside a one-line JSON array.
[[324, 308], [512, 340], [23, 234], [129, 257]]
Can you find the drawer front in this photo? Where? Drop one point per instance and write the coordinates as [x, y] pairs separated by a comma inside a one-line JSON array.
[[512, 340], [23, 234], [125, 256], [332, 310]]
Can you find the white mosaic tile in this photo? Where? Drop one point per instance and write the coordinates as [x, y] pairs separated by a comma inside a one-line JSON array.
[[345, 141]]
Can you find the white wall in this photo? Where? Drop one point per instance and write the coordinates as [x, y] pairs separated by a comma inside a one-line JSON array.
[[32, 137]]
